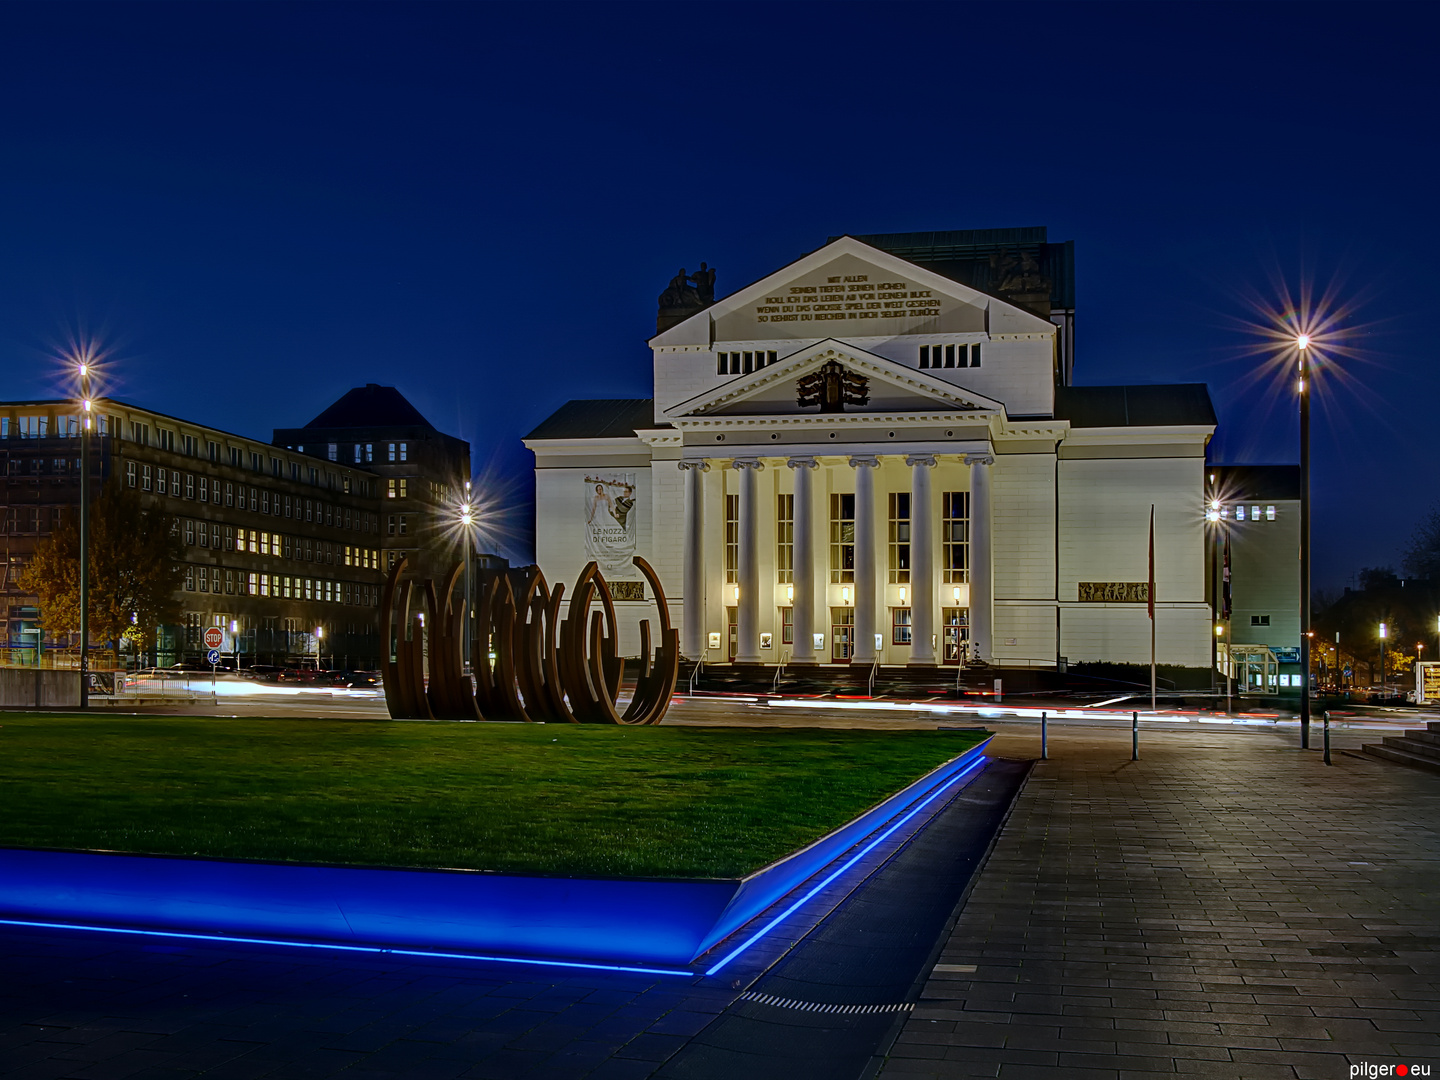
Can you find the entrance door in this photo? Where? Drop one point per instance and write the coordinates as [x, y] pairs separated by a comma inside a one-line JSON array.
[[842, 634], [732, 617], [955, 635]]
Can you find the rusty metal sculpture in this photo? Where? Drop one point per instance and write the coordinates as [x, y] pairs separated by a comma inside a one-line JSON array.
[[529, 664]]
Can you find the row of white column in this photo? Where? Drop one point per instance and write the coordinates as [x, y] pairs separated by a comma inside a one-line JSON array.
[[922, 559]]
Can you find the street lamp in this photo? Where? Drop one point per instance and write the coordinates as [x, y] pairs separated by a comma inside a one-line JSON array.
[[467, 525], [235, 640], [1302, 349], [85, 414], [319, 633], [1384, 633]]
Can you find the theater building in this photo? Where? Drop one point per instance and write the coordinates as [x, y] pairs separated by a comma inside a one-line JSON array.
[[861, 458]]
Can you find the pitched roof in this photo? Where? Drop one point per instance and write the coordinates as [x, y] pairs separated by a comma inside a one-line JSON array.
[[597, 418], [1257, 481], [371, 405], [1175, 405]]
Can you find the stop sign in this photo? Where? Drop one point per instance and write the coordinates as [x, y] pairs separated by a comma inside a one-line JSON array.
[[214, 637]]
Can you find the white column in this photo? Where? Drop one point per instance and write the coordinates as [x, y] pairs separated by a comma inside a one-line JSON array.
[[865, 556], [982, 580], [803, 606], [747, 622], [922, 562], [692, 635]]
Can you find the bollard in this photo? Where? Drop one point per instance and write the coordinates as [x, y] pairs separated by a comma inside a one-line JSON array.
[[1327, 736], [1134, 736], [1044, 755]]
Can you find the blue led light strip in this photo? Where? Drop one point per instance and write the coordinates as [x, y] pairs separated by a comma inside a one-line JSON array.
[[753, 938], [373, 949]]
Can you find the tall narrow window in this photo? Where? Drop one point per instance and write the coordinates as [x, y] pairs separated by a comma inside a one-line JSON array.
[[899, 538], [787, 626], [732, 539], [842, 538], [955, 536], [785, 537]]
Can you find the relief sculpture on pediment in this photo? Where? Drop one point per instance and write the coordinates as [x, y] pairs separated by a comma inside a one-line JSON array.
[[832, 387]]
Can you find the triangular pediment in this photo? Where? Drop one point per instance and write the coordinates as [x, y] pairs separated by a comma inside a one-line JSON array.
[[851, 289], [889, 388]]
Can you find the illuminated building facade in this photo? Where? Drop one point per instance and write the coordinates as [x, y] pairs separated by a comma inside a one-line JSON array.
[[861, 458]]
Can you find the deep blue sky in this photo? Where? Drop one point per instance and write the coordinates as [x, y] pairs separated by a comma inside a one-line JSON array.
[[259, 206]]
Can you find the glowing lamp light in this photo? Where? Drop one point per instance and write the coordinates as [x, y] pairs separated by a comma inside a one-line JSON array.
[[320, 630], [1384, 631], [902, 594], [845, 594], [790, 592], [1219, 630], [957, 594], [735, 593], [234, 626], [1303, 341]]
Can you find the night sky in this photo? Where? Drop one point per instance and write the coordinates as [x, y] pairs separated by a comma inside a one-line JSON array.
[[256, 207]]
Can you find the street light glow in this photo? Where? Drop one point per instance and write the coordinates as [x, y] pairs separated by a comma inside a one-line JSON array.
[[1303, 341]]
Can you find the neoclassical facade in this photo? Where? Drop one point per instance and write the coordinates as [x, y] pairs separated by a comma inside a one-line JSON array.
[[858, 459]]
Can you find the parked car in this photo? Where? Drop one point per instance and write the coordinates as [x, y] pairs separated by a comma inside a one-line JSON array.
[[358, 680], [263, 673]]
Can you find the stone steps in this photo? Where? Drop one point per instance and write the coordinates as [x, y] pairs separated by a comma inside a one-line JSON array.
[[1418, 749]]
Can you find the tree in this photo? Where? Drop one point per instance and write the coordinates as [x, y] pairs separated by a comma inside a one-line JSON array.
[[1422, 557], [135, 570]]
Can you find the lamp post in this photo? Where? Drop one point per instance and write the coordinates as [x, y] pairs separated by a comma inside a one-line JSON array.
[[467, 523], [85, 421], [235, 640], [1302, 348], [1384, 633], [319, 633]]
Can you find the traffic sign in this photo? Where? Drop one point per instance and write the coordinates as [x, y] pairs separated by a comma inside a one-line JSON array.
[[214, 637], [212, 657]]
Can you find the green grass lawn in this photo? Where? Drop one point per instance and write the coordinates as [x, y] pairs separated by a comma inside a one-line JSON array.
[[653, 801]]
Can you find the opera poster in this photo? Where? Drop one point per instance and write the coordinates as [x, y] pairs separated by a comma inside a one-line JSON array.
[[610, 522]]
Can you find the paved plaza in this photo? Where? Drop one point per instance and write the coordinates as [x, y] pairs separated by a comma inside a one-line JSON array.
[[1227, 906]]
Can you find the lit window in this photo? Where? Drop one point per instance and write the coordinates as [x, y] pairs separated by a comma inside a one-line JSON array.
[[1239, 513], [842, 539], [900, 626], [390, 490], [785, 538], [955, 536], [404, 490], [1269, 513], [732, 539], [391, 450], [899, 535], [1254, 513], [787, 626]]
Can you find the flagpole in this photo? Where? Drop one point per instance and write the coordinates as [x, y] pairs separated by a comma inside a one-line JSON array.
[[1152, 607]]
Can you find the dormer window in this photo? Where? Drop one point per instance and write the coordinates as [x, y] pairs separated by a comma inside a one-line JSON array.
[[938, 356], [743, 363]]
